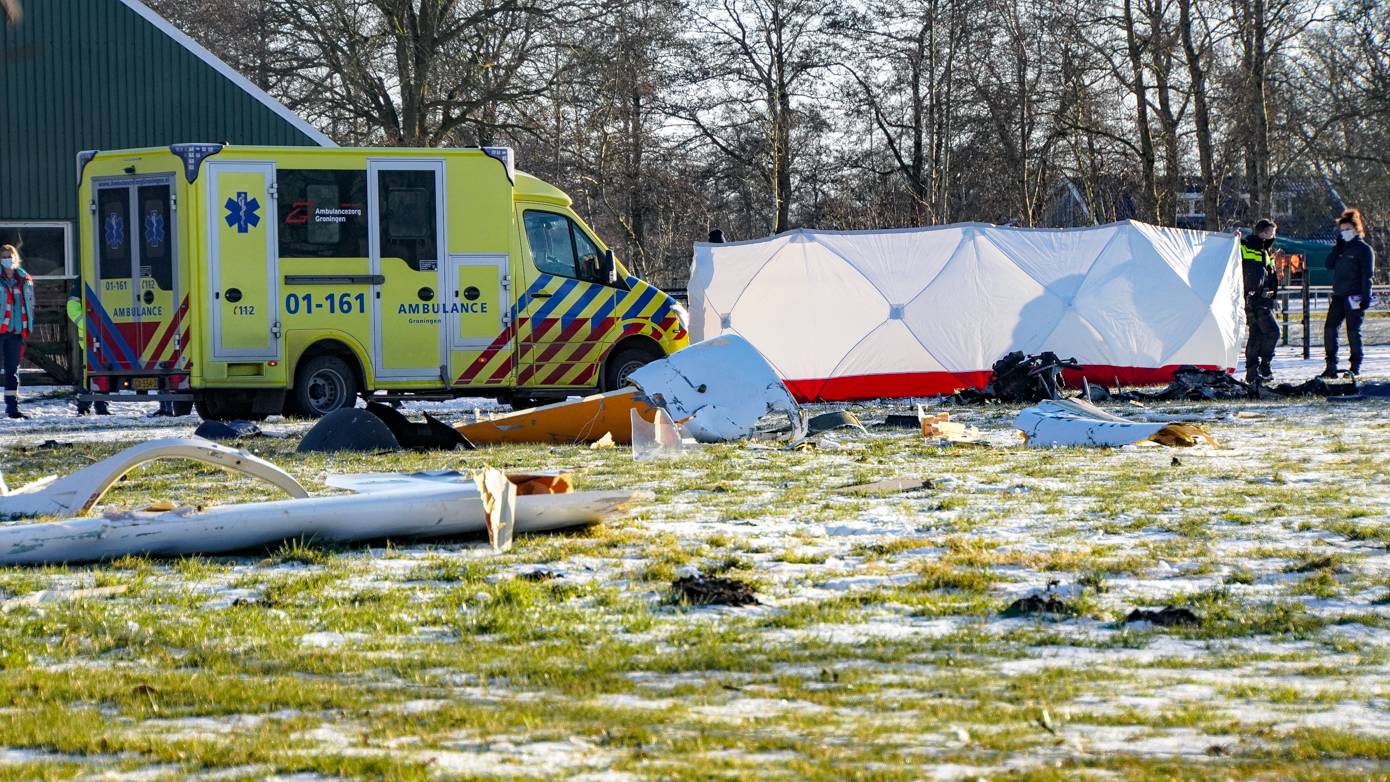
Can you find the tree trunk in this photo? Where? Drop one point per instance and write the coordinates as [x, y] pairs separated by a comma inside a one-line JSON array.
[[1201, 116], [1148, 198]]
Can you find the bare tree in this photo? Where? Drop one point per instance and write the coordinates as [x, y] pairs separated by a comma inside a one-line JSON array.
[[1198, 42], [1263, 28], [747, 63], [906, 83]]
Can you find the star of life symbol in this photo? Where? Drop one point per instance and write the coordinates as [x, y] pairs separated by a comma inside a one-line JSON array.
[[115, 230], [154, 228], [241, 212]]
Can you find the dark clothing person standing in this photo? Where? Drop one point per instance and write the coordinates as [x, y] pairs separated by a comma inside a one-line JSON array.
[[1261, 288], [16, 316], [1352, 261]]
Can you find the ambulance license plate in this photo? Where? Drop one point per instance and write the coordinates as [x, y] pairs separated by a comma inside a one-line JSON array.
[[144, 383]]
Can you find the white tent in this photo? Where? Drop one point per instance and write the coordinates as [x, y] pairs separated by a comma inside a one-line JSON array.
[[923, 311]]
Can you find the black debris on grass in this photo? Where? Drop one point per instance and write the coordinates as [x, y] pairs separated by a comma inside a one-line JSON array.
[[712, 591], [1313, 565], [226, 430], [1170, 616], [540, 574], [835, 419], [349, 429], [1018, 378], [1033, 605]]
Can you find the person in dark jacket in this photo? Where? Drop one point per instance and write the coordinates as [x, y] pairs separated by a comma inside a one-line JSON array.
[[1351, 262], [1261, 288]]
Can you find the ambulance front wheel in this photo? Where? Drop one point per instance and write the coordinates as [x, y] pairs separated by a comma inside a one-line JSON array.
[[324, 384], [627, 360]]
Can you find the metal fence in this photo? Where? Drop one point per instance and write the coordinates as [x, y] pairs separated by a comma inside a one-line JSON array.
[[1300, 305]]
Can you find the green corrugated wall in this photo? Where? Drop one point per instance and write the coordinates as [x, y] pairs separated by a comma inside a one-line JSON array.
[[95, 74]]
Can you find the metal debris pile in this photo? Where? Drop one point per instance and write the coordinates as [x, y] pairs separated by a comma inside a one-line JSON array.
[[1018, 378]]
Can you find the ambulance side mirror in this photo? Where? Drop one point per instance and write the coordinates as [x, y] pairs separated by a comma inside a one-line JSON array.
[[609, 267]]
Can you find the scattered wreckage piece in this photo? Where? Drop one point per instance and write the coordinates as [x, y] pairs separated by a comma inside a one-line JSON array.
[[527, 484], [835, 419], [718, 390], [939, 427], [659, 438], [900, 421], [886, 487], [227, 430], [1195, 384], [585, 420], [432, 435], [498, 494], [1068, 422], [1018, 378], [1169, 616], [702, 590], [349, 429], [1045, 603], [379, 428], [75, 494], [392, 506], [1320, 387]]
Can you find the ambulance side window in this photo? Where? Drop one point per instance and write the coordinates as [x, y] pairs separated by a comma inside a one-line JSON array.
[[560, 247], [406, 201], [322, 213], [552, 250], [587, 254]]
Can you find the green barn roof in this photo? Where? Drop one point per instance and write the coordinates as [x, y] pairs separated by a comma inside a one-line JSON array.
[[112, 74]]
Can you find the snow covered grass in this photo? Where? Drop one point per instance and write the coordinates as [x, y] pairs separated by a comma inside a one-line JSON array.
[[879, 650]]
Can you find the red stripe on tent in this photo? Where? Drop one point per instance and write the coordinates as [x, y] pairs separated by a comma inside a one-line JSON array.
[[908, 384], [1106, 375]]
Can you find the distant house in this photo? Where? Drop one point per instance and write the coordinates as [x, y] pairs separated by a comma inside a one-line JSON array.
[[1304, 207], [105, 74], [1074, 203]]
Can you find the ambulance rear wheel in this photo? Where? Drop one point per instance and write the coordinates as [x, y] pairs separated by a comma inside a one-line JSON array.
[[324, 384], [625, 362]]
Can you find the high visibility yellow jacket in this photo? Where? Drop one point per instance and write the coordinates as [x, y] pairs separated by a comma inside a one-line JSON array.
[[75, 315]]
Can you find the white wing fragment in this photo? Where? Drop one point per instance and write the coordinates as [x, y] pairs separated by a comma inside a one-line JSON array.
[[1074, 422]]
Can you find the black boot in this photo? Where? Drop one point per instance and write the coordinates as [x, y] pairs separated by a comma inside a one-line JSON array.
[[1329, 373]]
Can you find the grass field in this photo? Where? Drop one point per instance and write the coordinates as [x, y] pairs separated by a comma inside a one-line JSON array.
[[878, 651]]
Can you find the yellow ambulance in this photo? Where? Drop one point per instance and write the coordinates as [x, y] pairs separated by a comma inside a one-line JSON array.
[[261, 280]]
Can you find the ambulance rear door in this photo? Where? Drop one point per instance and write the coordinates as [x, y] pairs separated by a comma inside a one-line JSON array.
[[135, 310]]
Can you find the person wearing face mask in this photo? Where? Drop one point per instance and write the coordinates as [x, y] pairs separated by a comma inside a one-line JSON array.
[[16, 315], [1261, 288], [1351, 262]]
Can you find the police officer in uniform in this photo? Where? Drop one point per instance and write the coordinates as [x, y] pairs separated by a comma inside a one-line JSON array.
[[1261, 288]]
